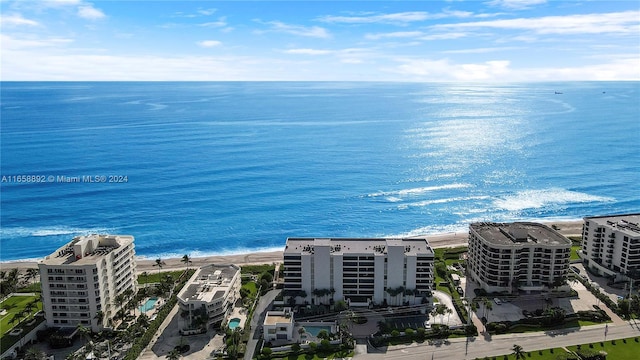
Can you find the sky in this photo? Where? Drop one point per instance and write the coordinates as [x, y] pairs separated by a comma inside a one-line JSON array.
[[425, 41]]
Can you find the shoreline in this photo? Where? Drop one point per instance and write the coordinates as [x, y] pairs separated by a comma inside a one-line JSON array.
[[442, 240]]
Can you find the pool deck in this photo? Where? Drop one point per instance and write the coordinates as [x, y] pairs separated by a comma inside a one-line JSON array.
[[239, 313]]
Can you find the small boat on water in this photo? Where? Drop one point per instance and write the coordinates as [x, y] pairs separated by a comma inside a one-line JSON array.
[[558, 92]]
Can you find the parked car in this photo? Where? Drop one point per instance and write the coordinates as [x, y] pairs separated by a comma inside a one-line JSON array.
[[459, 290], [497, 301]]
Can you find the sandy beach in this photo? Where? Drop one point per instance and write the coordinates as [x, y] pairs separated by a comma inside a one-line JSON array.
[[567, 228]]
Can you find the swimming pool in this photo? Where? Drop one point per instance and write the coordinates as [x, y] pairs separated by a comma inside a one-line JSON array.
[[315, 330], [148, 305], [233, 323]]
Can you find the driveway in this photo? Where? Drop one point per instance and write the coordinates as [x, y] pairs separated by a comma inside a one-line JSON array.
[[448, 319]]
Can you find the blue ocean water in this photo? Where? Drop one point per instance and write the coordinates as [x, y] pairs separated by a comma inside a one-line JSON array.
[[224, 167]]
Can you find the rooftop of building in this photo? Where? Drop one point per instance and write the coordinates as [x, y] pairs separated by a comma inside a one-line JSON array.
[[519, 233], [87, 249], [626, 223], [413, 246], [209, 283], [278, 317]]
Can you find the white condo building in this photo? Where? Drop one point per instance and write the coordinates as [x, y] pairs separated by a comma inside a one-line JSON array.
[[360, 271], [611, 245], [81, 280], [507, 257], [208, 297]]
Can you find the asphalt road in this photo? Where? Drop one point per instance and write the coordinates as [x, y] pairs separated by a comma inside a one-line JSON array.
[[485, 345], [258, 318]]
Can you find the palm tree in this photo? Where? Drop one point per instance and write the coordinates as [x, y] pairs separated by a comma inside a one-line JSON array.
[[518, 352], [186, 260], [99, 316], [173, 355], [440, 309], [448, 311], [34, 353], [84, 333], [32, 273], [159, 263]]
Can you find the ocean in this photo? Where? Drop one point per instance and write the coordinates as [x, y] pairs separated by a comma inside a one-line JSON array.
[[215, 168]]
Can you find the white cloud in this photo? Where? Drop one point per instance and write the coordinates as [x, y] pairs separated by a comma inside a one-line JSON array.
[[207, 12], [308, 31], [443, 70], [612, 69], [402, 18], [627, 22], [16, 20], [222, 22], [395, 18], [480, 50], [209, 43], [394, 35], [11, 43], [416, 35], [87, 11], [308, 52], [516, 4]]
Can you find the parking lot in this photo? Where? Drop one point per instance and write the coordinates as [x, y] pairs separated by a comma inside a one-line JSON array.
[[513, 310]]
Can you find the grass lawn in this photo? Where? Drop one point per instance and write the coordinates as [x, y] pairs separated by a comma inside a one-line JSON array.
[[616, 349], [546, 354], [574, 252], [258, 269], [15, 305], [252, 287], [154, 277], [318, 356]]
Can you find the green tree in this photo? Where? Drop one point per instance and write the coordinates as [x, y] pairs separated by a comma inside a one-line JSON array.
[[295, 348], [340, 305], [266, 351], [518, 352], [32, 273], [173, 355], [186, 260], [34, 354], [323, 334]]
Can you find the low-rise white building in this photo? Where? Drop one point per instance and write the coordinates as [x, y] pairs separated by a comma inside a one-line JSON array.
[[278, 325], [81, 280], [611, 245], [361, 271], [508, 257], [208, 297]]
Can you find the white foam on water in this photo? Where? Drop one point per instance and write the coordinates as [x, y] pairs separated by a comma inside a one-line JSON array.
[[224, 252], [535, 199], [434, 230], [18, 232], [419, 190], [441, 201]]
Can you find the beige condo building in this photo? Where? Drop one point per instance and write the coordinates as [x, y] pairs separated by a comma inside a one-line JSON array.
[[611, 245], [361, 271], [81, 280], [519, 256]]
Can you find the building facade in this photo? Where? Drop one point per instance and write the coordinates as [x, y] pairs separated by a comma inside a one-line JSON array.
[[82, 278], [359, 271], [278, 325], [521, 256], [208, 297], [611, 245]]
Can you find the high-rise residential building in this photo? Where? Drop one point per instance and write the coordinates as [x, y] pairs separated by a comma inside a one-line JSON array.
[[81, 280], [520, 256], [611, 245], [359, 271], [208, 297]]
